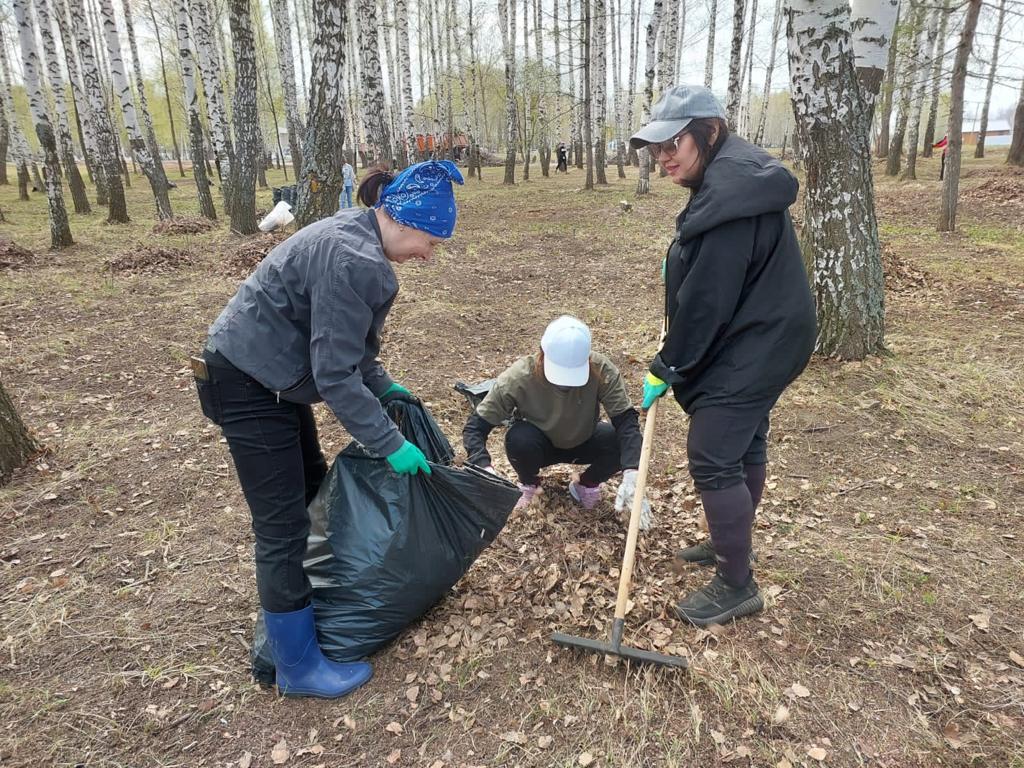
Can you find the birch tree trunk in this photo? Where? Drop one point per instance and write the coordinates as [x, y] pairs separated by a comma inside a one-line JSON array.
[[634, 55], [5, 134], [16, 443], [323, 150], [667, 55], [60, 229], [766, 95], [246, 120], [908, 79], [643, 184], [167, 88], [508, 43], [119, 76], [302, 34], [680, 43], [405, 77], [559, 80], [889, 89], [979, 150], [210, 68], [575, 70], [286, 62], [374, 108], [140, 88], [195, 130], [938, 55], [917, 105], [747, 73], [709, 57], [588, 63], [732, 99], [600, 74], [108, 152], [617, 87], [476, 95], [20, 152], [834, 64], [1016, 154], [951, 180], [65, 140]]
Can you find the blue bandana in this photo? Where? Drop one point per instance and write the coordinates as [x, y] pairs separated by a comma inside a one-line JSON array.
[[421, 197]]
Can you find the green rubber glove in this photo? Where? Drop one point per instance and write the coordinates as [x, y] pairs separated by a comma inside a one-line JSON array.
[[408, 460], [395, 387], [653, 389]]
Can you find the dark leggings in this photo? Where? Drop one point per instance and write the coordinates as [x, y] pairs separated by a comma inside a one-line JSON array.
[[529, 450], [727, 451], [277, 456]]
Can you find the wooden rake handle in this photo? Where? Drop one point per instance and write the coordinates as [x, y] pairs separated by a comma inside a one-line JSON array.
[[626, 576]]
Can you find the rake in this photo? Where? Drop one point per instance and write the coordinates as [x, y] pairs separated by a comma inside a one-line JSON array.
[[614, 644]]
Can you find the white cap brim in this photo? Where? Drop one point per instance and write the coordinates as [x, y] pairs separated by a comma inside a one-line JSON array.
[[561, 376]]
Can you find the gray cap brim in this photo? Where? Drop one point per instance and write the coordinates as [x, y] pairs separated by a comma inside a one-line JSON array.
[[657, 131]]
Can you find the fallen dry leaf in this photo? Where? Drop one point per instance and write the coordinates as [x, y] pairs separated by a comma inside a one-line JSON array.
[[1017, 659], [349, 722], [817, 753], [280, 753], [585, 759], [799, 691], [783, 763], [781, 715], [952, 735], [515, 737], [717, 736], [393, 727], [544, 742], [412, 693], [981, 619], [394, 757], [245, 761]]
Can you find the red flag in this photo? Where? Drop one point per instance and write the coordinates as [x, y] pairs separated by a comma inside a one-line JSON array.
[[941, 144]]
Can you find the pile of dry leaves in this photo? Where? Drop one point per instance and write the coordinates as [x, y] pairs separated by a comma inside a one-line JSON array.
[[183, 225], [13, 256], [142, 259]]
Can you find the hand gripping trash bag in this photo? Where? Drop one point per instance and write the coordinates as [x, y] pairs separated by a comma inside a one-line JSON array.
[[383, 548]]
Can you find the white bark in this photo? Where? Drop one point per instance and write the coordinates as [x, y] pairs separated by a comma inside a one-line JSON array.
[[643, 185], [669, 33], [195, 132], [873, 23], [508, 40], [747, 73], [286, 62], [732, 100], [32, 67], [122, 89], [374, 107], [246, 120], [840, 235], [917, 104], [938, 55], [65, 142], [709, 56], [600, 69], [911, 69], [405, 77], [211, 72], [107, 146], [766, 95], [86, 124], [979, 150], [140, 89], [21, 154]]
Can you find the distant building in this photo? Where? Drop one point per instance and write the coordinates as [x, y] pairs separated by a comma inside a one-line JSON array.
[[998, 134]]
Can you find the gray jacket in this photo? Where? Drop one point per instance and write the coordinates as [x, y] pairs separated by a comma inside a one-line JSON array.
[[306, 324]]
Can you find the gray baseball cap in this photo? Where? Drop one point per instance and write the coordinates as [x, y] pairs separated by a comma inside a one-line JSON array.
[[674, 111]]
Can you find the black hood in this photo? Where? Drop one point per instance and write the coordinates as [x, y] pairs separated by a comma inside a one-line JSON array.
[[742, 181]]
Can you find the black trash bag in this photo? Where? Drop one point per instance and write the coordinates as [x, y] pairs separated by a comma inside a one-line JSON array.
[[475, 393], [383, 548], [418, 427]]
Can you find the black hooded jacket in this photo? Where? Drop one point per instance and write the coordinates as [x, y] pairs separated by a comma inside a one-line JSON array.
[[740, 312]]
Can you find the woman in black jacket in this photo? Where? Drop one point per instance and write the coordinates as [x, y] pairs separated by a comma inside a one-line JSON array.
[[741, 328]]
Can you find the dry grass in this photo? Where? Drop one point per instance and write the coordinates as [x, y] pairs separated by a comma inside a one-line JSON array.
[[888, 538]]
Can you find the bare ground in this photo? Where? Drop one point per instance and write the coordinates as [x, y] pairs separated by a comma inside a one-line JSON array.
[[889, 537]]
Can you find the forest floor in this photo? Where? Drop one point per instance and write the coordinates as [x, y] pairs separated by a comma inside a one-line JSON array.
[[889, 537]]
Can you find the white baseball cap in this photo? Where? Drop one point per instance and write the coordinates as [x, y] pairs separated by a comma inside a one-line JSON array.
[[566, 346]]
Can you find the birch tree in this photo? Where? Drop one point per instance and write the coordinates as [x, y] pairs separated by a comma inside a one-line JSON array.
[[1016, 154], [954, 151], [888, 89], [210, 69], [56, 79], [908, 79], [286, 62], [643, 184], [405, 76], [60, 229], [979, 149], [766, 94], [139, 147], [167, 88], [143, 104], [249, 147], [108, 151], [938, 55], [323, 149], [836, 57], [709, 56], [20, 152], [588, 63], [600, 77], [195, 130], [374, 108], [634, 54], [508, 42], [667, 54], [917, 104], [747, 73], [732, 99]]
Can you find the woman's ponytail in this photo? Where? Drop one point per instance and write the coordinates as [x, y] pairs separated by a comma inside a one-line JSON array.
[[371, 185]]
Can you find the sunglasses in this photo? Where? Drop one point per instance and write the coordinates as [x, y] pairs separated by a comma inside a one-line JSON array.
[[669, 147]]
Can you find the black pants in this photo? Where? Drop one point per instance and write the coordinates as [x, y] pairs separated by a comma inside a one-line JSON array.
[[727, 451], [529, 449], [277, 455]]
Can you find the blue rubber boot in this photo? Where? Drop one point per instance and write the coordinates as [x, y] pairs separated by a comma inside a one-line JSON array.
[[302, 668]]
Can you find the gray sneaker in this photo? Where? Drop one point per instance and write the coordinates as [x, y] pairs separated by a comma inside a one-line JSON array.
[[701, 553], [720, 602]]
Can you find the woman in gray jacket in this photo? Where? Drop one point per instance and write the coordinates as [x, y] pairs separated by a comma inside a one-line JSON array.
[[305, 327]]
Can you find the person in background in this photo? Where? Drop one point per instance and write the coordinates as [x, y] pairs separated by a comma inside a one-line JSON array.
[[305, 327], [563, 158], [348, 177], [741, 328], [553, 398]]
